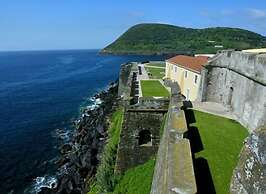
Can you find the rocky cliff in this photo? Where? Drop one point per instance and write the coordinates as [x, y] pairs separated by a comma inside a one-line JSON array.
[[80, 157]]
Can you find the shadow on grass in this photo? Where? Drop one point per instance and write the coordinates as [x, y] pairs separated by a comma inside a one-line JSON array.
[[195, 141], [233, 121], [201, 167], [187, 104], [190, 117], [193, 133], [203, 176]]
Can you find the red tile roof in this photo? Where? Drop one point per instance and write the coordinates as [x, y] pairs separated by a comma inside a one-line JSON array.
[[188, 62]]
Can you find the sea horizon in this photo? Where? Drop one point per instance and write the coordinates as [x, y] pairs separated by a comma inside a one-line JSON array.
[[37, 50]]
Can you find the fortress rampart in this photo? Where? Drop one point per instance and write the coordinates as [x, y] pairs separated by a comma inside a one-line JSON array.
[[238, 81]]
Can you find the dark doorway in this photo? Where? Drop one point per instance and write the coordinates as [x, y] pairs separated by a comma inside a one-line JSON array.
[[145, 138], [230, 96]]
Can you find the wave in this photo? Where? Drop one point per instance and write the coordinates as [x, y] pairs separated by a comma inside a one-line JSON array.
[[65, 135], [50, 182], [96, 102]]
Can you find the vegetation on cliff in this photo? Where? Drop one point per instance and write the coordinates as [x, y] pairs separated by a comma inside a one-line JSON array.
[[169, 39], [105, 176], [136, 180], [216, 149]]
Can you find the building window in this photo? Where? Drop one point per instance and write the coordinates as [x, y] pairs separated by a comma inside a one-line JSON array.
[[196, 79], [145, 138], [175, 69], [185, 74], [171, 67]]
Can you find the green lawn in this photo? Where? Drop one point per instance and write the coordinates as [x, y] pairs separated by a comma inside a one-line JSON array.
[[222, 141], [153, 88], [156, 73], [137, 180]]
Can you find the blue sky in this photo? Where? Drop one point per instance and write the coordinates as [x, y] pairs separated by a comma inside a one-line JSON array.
[[82, 24]]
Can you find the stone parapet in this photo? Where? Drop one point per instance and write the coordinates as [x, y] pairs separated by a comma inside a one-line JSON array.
[[174, 172]]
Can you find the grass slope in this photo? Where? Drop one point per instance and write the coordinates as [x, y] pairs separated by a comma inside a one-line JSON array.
[[116, 126], [163, 39], [222, 141], [105, 178], [137, 180], [153, 88]]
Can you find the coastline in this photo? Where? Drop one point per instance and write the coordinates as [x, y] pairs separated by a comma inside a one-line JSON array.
[[144, 53], [80, 157], [68, 81]]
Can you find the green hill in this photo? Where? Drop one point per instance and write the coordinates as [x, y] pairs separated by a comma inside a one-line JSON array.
[[166, 39]]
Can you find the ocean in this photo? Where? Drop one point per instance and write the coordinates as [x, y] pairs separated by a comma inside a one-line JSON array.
[[41, 92]]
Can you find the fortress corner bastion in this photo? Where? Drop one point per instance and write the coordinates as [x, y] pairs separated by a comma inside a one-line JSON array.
[[238, 81]]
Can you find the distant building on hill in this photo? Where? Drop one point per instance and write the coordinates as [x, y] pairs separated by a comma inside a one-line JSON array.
[[205, 55], [261, 50], [218, 46], [186, 70]]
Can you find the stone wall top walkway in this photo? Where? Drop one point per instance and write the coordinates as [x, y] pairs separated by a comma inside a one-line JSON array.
[[213, 108], [174, 172]]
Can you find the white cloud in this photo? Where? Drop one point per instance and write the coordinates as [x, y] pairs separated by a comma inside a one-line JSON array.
[[137, 14], [217, 13], [257, 13], [205, 13]]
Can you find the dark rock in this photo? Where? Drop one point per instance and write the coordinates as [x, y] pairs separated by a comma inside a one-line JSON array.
[[83, 172], [62, 161], [65, 148], [100, 129], [79, 161], [70, 186], [45, 190], [85, 160]]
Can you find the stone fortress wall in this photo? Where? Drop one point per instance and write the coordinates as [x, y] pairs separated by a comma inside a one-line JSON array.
[[140, 135], [238, 81], [139, 139], [234, 79]]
